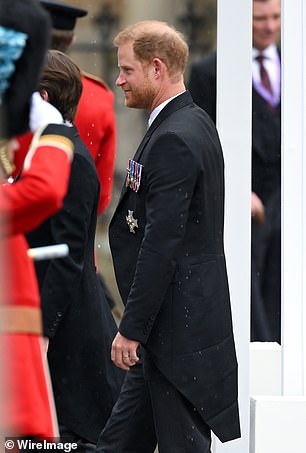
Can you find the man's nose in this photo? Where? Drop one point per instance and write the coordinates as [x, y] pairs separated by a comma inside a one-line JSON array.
[[272, 24], [120, 80]]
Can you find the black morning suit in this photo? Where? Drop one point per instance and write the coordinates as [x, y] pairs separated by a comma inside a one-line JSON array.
[[76, 315], [171, 273], [266, 182]]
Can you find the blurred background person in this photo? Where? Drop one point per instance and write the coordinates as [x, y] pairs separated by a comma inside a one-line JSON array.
[[266, 163]]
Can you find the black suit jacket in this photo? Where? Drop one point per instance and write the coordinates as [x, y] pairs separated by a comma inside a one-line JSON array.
[[171, 273], [76, 316]]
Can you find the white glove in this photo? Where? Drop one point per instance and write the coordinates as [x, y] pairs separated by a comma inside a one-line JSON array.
[[42, 113]]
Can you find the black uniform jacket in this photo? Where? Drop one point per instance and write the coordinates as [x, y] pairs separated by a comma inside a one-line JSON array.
[[171, 272], [76, 316]]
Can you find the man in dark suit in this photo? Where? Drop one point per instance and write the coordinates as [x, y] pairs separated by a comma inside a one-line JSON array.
[[266, 162], [166, 239], [76, 317]]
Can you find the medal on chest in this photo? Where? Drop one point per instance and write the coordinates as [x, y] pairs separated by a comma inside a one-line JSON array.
[[133, 176]]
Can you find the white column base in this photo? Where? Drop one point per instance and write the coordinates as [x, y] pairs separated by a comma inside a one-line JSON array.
[[277, 424], [265, 369]]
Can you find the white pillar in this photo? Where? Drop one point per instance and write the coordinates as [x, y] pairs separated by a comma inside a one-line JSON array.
[[304, 198], [293, 196], [234, 125], [288, 412]]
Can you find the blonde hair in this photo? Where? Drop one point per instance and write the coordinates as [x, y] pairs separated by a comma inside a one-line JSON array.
[[155, 39]]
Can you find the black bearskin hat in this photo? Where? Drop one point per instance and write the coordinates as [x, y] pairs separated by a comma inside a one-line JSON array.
[[30, 18]]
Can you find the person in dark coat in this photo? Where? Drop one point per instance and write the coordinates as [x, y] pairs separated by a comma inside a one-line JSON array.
[[266, 164], [166, 239], [76, 317], [95, 116]]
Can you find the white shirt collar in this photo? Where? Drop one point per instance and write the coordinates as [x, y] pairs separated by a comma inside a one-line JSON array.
[[272, 66], [270, 52], [159, 108]]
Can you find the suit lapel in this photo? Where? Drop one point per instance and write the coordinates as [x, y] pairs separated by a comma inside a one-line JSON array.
[[174, 105]]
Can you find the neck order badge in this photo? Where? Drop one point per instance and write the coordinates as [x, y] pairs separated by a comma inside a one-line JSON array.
[[132, 223]]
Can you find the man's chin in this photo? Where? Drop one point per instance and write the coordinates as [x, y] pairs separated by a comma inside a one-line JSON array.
[[129, 103]]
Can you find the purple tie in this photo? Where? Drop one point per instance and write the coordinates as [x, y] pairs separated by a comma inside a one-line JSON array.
[[264, 77]]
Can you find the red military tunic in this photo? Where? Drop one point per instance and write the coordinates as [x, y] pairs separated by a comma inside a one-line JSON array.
[[25, 402], [95, 120]]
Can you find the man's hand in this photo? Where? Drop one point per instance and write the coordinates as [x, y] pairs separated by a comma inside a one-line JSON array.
[[124, 352], [257, 208]]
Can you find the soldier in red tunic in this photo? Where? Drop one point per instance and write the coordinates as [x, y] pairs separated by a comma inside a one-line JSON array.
[[26, 403], [39, 193], [95, 121]]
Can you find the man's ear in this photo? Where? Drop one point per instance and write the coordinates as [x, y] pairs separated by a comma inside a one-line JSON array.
[[44, 95], [158, 66]]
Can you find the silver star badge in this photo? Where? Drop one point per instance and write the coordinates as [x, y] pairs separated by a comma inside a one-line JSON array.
[[132, 223]]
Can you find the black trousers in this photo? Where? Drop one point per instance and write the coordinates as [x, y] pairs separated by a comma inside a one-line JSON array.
[[266, 274], [83, 445], [150, 410]]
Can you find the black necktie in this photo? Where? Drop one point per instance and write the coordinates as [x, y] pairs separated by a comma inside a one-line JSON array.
[[264, 77]]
